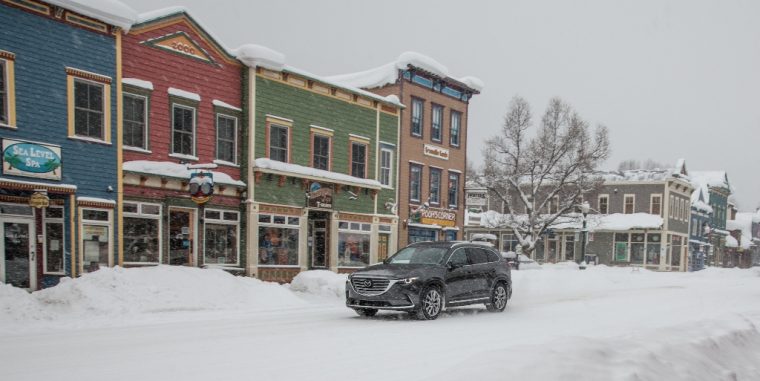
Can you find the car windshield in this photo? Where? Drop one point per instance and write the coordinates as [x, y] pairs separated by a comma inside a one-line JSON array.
[[419, 255]]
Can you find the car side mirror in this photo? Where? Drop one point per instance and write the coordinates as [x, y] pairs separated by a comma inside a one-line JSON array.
[[451, 266]]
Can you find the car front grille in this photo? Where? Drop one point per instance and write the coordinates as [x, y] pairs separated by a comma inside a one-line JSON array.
[[370, 286]]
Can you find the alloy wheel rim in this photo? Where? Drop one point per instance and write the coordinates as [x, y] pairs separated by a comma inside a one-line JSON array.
[[500, 297], [432, 302]]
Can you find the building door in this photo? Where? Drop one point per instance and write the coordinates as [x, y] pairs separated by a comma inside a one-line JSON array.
[[182, 233], [551, 251], [319, 244], [19, 262], [383, 241]]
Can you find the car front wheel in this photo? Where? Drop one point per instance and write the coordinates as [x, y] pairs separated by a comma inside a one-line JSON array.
[[431, 303], [368, 312], [499, 297]]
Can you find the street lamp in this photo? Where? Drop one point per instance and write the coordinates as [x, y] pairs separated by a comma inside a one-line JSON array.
[[584, 233]]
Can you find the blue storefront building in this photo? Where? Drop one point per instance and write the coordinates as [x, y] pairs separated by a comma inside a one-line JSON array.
[[59, 92]]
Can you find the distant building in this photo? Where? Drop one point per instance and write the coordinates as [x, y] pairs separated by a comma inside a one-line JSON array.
[[743, 244], [715, 190], [700, 247]]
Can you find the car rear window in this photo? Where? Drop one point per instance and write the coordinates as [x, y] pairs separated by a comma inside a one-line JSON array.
[[476, 255]]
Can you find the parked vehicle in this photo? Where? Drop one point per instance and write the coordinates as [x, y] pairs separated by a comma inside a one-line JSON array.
[[426, 277]]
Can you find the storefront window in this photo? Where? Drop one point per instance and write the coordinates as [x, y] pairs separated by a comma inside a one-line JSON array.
[[450, 235], [509, 242], [220, 238], [653, 249], [353, 246], [142, 231], [96, 239], [422, 235], [569, 248], [675, 255], [54, 241], [278, 240], [637, 248], [621, 247]]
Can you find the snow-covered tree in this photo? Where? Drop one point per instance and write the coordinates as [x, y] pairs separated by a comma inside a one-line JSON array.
[[542, 177]]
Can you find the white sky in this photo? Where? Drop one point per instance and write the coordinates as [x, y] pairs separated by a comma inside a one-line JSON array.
[[670, 79]]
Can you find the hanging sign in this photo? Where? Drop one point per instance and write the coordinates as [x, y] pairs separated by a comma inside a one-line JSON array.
[[435, 151], [201, 187], [436, 216], [31, 159], [476, 197], [319, 196], [39, 200]]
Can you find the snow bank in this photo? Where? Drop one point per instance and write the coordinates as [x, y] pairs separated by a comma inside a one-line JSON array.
[[120, 294], [320, 282]]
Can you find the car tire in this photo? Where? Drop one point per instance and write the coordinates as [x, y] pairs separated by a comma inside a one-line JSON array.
[[499, 298], [367, 312], [431, 303]]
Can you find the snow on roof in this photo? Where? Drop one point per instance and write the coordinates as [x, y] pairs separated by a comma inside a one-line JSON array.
[[731, 242], [109, 11], [317, 174], [96, 199], [743, 223], [716, 179], [40, 184], [184, 94], [171, 169], [219, 103], [148, 85], [159, 13], [388, 74], [256, 55], [484, 236], [594, 222], [391, 99]]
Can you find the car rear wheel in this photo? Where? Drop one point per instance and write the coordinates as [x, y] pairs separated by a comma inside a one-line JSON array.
[[368, 312], [499, 297], [431, 303]]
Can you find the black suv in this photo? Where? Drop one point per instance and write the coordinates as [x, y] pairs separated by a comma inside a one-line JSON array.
[[424, 278]]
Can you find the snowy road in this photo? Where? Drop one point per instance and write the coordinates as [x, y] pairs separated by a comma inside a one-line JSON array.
[[601, 324]]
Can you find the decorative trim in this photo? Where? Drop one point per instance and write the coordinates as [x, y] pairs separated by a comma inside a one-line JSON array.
[[354, 217], [96, 204], [88, 75], [276, 209], [181, 44], [9, 63], [30, 187], [86, 22], [31, 5], [7, 55]]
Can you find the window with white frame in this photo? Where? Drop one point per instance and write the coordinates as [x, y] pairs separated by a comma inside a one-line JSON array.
[[221, 230], [453, 190], [386, 165], [456, 121], [142, 233], [226, 138], [183, 130], [435, 186], [604, 204], [655, 204], [135, 117], [415, 182], [55, 241], [96, 247], [417, 112], [358, 160], [629, 204], [436, 128], [89, 109], [353, 244], [278, 143], [278, 240]]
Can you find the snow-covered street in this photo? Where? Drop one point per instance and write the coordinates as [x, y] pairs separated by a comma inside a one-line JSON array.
[[599, 324]]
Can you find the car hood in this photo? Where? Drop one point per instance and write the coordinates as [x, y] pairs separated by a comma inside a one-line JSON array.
[[396, 271]]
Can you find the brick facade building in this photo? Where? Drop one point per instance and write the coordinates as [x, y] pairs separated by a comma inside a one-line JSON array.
[[433, 142], [182, 106]]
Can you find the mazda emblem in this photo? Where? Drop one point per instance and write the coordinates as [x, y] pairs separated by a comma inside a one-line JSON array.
[[367, 283]]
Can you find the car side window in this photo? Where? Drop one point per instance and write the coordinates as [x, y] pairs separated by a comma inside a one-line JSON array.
[[476, 255], [459, 258], [492, 256]]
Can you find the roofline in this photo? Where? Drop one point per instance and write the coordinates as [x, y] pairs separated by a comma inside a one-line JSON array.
[[451, 80]]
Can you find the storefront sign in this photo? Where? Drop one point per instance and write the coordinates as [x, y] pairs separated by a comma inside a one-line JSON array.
[[39, 200], [31, 159], [435, 216], [476, 198], [201, 187], [435, 151], [319, 196]]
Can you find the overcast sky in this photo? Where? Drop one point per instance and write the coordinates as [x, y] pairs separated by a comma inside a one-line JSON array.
[[670, 79]]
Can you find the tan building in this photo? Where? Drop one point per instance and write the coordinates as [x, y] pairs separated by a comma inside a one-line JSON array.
[[433, 143]]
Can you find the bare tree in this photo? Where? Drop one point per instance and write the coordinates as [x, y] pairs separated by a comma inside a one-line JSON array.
[[541, 178]]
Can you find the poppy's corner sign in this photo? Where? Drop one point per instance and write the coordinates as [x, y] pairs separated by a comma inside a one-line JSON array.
[[42, 161], [435, 216], [319, 196]]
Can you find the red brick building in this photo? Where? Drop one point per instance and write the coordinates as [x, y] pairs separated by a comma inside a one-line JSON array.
[[182, 106], [433, 142]]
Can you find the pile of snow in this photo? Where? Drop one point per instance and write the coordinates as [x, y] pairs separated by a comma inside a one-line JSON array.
[[109, 11], [171, 169], [389, 73], [317, 174], [120, 294], [256, 55], [320, 282]]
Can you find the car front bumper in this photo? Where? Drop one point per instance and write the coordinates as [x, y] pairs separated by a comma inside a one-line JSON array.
[[398, 297]]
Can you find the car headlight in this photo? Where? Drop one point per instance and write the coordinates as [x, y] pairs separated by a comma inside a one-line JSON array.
[[407, 281]]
